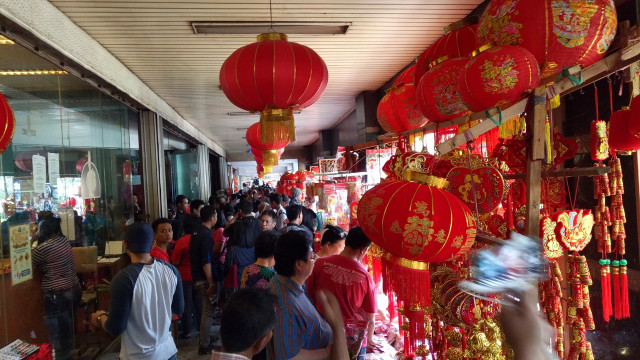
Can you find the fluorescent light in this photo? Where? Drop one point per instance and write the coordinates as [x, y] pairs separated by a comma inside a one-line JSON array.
[[32, 72], [246, 113], [258, 27], [5, 41]]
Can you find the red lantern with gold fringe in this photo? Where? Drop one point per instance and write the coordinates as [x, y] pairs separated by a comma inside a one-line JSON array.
[[274, 77], [459, 41], [558, 33], [437, 94], [7, 124], [269, 151], [397, 110], [620, 138], [497, 76]]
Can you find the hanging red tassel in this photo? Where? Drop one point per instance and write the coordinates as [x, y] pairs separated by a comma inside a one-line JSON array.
[[392, 305], [615, 279], [606, 289], [624, 289]]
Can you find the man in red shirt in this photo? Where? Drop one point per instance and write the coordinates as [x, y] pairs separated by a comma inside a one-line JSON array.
[[344, 276], [162, 236]]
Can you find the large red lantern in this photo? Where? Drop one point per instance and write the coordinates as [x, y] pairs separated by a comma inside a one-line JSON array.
[[406, 77], [459, 41], [269, 150], [397, 111], [437, 94], [274, 77], [558, 33], [619, 137], [634, 121], [497, 76], [7, 124]]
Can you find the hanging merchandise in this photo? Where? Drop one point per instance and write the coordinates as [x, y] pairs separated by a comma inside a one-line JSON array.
[[397, 111], [274, 77], [406, 77], [90, 180], [7, 124], [490, 187], [619, 137], [437, 94], [270, 150], [559, 34], [634, 123], [497, 76], [599, 140]]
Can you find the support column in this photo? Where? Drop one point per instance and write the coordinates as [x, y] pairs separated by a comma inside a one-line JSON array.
[[153, 171], [535, 154], [204, 172]]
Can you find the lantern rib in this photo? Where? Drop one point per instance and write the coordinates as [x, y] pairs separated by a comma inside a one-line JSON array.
[[235, 72], [273, 72], [295, 73], [450, 222], [255, 81], [384, 238], [306, 49], [411, 203], [596, 37]]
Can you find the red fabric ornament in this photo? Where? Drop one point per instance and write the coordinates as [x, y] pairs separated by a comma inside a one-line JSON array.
[[488, 183], [406, 77], [7, 124], [513, 152], [401, 218], [634, 123], [274, 76], [573, 228], [563, 149], [397, 111], [600, 140], [269, 150], [558, 33], [498, 76], [619, 137], [437, 94], [497, 226], [460, 41]]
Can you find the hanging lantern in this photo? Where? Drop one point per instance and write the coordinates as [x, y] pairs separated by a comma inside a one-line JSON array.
[[459, 41], [437, 94], [558, 33], [619, 137], [497, 76], [406, 77], [397, 111], [274, 77], [269, 150], [7, 124], [634, 122]]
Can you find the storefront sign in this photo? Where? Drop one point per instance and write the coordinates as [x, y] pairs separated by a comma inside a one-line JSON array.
[[39, 173], [54, 168], [21, 269]]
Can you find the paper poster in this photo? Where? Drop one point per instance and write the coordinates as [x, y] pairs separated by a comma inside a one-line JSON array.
[[39, 173], [67, 223], [20, 250], [54, 168], [376, 158]]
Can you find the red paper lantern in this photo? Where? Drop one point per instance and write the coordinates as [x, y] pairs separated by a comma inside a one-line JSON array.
[[437, 94], [459, 41], [497, 76], [269, 150], [416, 222], [7, 124], [634, 122], [397, 110], [620, 138], [274, 77], [558, 33], [406, 77]]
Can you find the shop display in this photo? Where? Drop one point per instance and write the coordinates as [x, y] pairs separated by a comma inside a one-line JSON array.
[[437, 93], [398, 111]]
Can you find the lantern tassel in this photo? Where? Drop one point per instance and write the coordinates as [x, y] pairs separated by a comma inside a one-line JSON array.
[[277, 125], [269, 159], [547, 141], [615, 277], [412, 282], [606, 289], [624, 289]]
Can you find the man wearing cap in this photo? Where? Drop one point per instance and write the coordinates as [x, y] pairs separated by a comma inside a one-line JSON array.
[[143, 298]]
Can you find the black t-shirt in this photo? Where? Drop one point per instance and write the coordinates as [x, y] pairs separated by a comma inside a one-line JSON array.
[[200, 251], [177, 225], [243, 232]]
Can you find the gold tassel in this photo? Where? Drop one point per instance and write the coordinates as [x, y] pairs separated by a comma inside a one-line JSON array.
[[554, 101], [269, 160], [277, 126], [547, 140]]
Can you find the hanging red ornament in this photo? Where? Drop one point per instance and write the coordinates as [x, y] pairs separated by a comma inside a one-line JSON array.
[[599, 140], [437, 94], [397, 111], [558, 33], [487, 181], [406, 77], [497, 76], [269, 150], [7, 124], [274, 77], [459, 41], [573, 228], [619, 137], [634, 123]]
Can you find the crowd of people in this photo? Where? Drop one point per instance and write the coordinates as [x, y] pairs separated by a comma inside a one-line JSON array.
[[254, 273]]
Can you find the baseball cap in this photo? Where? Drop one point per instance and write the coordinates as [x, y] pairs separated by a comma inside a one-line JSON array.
[[139, 237]]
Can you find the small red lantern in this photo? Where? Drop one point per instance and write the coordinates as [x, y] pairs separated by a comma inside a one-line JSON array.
[[497, 76], [634, 122], [558, 33], [619, 137], [459, 41], [437, 94], [406, 77], [397, 110], [274, 77], [269, 150], [7, 124]]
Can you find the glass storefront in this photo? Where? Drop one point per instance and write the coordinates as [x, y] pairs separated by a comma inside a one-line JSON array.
[[75, 155]]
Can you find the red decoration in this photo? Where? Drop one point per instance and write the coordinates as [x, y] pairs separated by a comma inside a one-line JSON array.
[[459, 42], [488, 183], [269, 151], [563, 149], [620, 138], [406, 77], [573, 228], [275, 77], [512, 152], [498, 76], [401, 218], [599, 140], [397, 111], [634, 123], [558, 33], [7, 124], [552, 248], [497, 225], [437, 93]]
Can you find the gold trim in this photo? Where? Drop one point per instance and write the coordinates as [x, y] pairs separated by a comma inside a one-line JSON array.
[[439, 61], [482, 48], [458, 25], [625, 108], [271, 37], [425, 179], [411, 264], [278, 112]]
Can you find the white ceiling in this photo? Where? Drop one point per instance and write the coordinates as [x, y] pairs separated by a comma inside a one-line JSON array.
[[155, 40]]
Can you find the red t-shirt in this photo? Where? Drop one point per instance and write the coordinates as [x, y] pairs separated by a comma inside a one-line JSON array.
[[181, 257], [159, 254]]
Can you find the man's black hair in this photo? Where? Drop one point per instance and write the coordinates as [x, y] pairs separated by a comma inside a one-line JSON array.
[[276, 198], [195, 204], [179, 199], [292, 246], [249, 314], [206, 213], [357, 239], [265, 243], [159, 221], [212, 200], [246, 207], [309, 218], [269, 213], [293, 211], [333, 234]]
